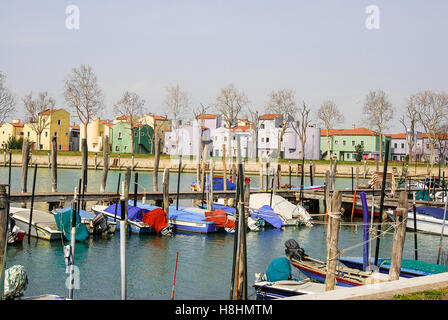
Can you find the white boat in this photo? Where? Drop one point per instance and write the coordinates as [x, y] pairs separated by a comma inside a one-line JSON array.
[[429, 220], [287, 288], [291, 214], [43, 225]]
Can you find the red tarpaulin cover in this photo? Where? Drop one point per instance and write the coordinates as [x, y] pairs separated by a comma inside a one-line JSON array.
[[220, 218], [155, 218]]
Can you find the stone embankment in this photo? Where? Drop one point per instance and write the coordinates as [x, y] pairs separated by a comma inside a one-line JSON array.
[[190, 165]]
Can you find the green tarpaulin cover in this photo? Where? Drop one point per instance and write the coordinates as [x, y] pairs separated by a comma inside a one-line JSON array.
[[64, 223]]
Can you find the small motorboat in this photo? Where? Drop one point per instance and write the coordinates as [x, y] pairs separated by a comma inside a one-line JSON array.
[[43, 225], [95, 224], [15, 235], [429, 220]]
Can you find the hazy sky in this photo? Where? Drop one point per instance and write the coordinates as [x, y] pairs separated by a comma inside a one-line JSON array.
[[320, 49]]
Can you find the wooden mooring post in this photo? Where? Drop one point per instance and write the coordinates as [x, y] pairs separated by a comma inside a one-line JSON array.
[[25, 161], [105, 163], [123, 230], [332, 256], [54, 165], [166, 191], [399, 237], [155, 176], [3, 232]]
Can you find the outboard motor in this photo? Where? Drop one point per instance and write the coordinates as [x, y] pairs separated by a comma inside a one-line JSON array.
[[100, 222], [293, 250]]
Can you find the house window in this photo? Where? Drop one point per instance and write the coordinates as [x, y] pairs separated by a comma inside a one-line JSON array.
[[343, 142], [348, 155], [335, 141], [395, 145], [402, 145], [28, 134], [362, 142], [60, 147], [262, 139], [135, 133], [59, 122], [125, 148], [267, 139], [262, 126], [120, 136], [55, 134], [46, 134], [117, 148], [353, 142]]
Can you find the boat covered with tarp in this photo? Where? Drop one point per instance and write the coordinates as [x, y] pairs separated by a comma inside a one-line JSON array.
[[218, 184], [287, 211], [138, 218], [267, 214], [409, 268], [185, 219], [63, 218], [95, 224]]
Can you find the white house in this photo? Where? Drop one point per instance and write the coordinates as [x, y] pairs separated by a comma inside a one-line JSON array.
[[222, 135], [185, 140]]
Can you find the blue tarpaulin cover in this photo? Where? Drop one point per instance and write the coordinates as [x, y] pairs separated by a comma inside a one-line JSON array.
[[267, 214], [431, 211], [229, 210], [218, 184], [134, 213]]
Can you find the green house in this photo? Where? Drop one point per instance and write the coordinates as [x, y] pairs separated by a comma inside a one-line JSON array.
[[343, 142], [142, 135]]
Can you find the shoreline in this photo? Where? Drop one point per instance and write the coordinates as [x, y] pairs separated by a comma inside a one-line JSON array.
[[190, 165]]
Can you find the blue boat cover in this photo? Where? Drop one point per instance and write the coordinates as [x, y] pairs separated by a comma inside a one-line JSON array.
[[431, 211], [134, 213], [279, 269], [218, 184], [229, 210], [267, 214], [63, 219]]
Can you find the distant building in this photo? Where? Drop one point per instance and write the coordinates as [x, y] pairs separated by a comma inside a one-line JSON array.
[[96, 129], [56, 123], [221, 136], [7, 130], [399, 146], [122, 135], [343, 142], [159, 123], [423, 148], [74, 140]]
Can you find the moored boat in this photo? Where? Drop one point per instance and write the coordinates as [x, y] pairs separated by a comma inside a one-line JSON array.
[[135, 216], [43, 225], [429, 220], [95, 224]]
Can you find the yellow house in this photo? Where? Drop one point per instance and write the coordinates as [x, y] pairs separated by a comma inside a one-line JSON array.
[[95, 132], [7, 130], [55, 122]]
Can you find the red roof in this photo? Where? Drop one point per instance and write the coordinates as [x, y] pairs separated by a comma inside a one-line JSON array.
[[349, 132], [440, 135], [75, 127], [48, 111], [207, 116], [269, 116], [397, 135], [241, 128], [158, 117], [19, 125]]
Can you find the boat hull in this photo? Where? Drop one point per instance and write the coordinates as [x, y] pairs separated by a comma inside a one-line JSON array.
[[277, 290], [191, 226], [427, 224], [39, 232], [133, 227]]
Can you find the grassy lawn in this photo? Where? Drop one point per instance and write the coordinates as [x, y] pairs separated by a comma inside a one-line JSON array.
[[441, 294]]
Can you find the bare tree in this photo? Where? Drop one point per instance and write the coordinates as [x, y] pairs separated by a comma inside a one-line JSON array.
[[34, 109], [230, 103], [378, 112], [7, 99], [83, 94], [409, 120], [178, 103], [130, 108], [282, 102], [329, 115], [432, 108], [300, 125]]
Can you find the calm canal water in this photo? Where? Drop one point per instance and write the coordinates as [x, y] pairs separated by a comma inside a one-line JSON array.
[[205, 261]]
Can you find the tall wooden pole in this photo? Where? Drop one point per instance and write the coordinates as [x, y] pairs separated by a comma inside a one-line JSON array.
[[224, 167], [84, 155], [178, 182], [54, 165], [155, 176], [334, 222], [210, 187], [25, 161], [166, 190], [3, 232], [32, 204], [383, 186], [399, 237], [105, 163], [123, 229]]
